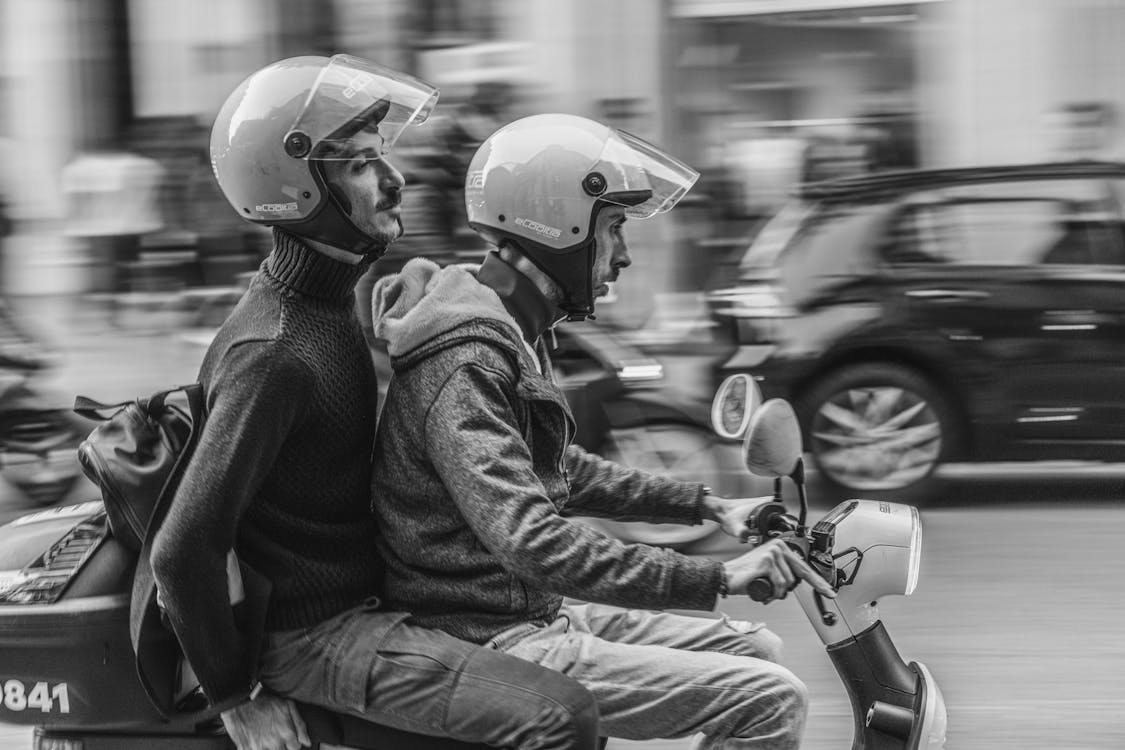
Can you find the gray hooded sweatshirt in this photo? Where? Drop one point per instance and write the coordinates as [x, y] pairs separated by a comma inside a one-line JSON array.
[[474, 475]]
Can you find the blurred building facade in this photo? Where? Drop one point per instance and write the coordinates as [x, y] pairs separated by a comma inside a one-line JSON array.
[[758, 94]]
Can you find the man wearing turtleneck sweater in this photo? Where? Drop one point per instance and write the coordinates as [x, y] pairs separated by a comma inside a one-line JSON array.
[[281, 473]]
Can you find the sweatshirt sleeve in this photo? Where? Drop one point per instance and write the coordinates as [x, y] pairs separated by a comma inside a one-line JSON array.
[[607, 489], [474, 443], [258, 397]]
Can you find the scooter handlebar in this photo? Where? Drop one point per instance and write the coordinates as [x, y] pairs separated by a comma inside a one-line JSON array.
[[760, 590], [772, 521]]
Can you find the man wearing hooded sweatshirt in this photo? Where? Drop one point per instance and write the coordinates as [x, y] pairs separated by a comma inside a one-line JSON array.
[[475, 468]]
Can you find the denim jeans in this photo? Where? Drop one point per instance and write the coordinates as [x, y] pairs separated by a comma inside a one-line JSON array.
[[659, 675], [376, 665]]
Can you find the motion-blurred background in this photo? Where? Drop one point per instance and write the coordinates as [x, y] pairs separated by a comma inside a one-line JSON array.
[[105, 108], [120, 257]]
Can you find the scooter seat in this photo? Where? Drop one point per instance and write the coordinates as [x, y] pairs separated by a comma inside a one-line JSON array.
[[330, 728]]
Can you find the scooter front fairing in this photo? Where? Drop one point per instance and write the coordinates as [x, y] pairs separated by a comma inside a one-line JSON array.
[[866, 550], [872, 549]]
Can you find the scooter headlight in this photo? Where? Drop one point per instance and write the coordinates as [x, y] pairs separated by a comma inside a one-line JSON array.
[[877, 546], [915, 551]]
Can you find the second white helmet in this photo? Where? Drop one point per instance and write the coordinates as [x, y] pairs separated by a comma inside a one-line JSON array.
[[539, 182]]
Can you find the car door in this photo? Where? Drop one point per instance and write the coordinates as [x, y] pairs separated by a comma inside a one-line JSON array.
[[1022, 282]]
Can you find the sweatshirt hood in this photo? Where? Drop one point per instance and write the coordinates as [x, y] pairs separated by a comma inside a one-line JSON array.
[[424, 301]]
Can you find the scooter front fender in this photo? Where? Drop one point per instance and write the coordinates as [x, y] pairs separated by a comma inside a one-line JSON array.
[[895, 705]]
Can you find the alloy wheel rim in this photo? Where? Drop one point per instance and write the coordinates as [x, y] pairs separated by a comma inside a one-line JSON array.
[[876, 438]]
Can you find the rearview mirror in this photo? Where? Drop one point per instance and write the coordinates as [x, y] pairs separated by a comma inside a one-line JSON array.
[[735, 402], [772, 447]]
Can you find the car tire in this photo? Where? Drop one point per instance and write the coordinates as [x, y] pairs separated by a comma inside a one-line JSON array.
[[678, 450], [878, 430]]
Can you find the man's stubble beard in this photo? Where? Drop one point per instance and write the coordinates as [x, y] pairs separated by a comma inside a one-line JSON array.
[[384, 239]]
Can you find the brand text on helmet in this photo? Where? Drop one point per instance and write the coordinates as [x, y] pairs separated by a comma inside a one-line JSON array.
[[535, 226]]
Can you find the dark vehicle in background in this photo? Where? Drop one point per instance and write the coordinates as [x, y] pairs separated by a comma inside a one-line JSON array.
[[928, 316]]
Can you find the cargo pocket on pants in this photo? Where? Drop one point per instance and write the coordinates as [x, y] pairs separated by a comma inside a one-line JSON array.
[[352, 653], [414, 676]]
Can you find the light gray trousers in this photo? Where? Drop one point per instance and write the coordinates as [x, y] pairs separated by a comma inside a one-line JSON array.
[[659, 675]]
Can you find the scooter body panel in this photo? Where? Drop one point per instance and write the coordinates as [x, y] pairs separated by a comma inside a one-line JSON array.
[[75, 658], [67, 666]]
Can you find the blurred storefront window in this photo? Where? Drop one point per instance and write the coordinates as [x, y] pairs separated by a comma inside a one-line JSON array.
[[774, 93]]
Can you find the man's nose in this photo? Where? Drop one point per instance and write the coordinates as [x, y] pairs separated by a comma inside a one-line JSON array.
[[391, 180]]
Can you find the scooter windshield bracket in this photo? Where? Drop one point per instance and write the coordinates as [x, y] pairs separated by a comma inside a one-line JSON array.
[[848, 578]]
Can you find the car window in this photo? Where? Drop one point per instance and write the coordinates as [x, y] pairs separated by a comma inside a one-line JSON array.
[[832, 244], [774, 236], [1071, 221]]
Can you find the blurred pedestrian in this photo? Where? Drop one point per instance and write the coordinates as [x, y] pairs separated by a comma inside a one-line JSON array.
[[474, 465], [111, 203], [282, 469], [1084, 130]]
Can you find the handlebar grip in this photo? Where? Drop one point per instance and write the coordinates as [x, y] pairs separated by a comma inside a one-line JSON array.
[[760, 590]]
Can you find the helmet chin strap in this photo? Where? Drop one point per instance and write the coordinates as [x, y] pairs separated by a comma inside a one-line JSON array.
[[550, 284], [574, 312], [332, 226]]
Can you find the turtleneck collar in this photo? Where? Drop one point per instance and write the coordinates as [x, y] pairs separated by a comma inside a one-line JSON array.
[[306, 271], [532, 311]]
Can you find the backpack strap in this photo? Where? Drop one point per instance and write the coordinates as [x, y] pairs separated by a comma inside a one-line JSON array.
[[91, 409], [153, 406], [155, 646]]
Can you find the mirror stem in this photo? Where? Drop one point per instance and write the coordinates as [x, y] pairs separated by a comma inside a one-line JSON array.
[[777, 489], [798, 477]]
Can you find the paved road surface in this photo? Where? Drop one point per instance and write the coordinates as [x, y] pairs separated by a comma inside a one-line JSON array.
[[1017, 614]]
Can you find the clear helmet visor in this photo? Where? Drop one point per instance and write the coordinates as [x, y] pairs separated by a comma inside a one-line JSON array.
[[353, 95], [641, 177]]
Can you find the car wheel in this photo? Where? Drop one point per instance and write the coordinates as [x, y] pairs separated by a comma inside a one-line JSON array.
[[878, 430], [672, 449]]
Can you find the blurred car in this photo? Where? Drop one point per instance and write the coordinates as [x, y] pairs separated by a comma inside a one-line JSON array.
[[921, 317]]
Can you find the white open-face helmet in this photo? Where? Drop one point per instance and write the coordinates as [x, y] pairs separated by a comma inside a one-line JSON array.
[[275, 129], [539, 182]]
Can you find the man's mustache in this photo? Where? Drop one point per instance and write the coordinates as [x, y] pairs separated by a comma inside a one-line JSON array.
[[391, 199]]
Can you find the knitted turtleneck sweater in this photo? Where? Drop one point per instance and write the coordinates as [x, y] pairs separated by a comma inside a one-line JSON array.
[[283, 467]]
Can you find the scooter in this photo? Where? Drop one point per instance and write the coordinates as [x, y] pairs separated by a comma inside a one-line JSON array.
[[69, 670], [866, 550]]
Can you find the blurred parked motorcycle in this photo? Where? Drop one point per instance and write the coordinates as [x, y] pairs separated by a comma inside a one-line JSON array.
[[625, 411], [39, 435]]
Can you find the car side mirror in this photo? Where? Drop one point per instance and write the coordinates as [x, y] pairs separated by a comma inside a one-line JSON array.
[[736, 400], [772, 447]]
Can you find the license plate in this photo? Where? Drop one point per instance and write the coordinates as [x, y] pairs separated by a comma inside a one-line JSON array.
[[27, 695]]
